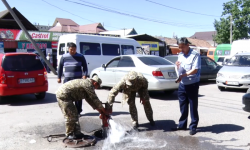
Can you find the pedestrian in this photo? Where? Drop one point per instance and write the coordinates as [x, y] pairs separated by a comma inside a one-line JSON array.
[[75, 68], [188, 66], [49, 58], [130, 84], [76, 90]]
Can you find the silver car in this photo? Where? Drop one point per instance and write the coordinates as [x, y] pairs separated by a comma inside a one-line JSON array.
[[235, 73], [159, 72]]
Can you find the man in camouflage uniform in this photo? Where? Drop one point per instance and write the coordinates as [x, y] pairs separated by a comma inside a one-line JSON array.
[[130, 84], [74, 90]]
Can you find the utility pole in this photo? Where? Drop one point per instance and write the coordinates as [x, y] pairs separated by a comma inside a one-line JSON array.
[[29, 37], [231, 29]]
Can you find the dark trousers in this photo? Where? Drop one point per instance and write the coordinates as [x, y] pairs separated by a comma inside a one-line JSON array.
[[78, 103], [188, 94]]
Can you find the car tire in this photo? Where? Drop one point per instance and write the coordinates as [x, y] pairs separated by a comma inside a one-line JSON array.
[[40, 95], [221, 88], [169, 92]]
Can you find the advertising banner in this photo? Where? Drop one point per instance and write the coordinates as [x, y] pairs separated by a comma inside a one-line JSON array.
[[54, 44], [1, 47], [9, 34], [154, 46], [30, 48]]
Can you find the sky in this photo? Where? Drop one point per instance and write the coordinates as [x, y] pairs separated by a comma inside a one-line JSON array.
[[154, 17]]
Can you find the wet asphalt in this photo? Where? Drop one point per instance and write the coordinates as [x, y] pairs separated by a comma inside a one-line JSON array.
[[223, 124]]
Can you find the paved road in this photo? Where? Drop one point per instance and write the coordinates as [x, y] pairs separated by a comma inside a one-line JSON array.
[[223, 123]]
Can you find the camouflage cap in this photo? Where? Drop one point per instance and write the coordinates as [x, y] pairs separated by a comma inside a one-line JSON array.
[[132, 75], [97, 79]]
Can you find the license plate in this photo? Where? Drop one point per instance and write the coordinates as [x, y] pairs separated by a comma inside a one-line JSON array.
[[28, 80], [232, 83], [172, 74]]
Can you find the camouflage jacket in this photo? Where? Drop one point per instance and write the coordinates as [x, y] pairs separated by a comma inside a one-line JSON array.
[[79, 89], [140, 85]]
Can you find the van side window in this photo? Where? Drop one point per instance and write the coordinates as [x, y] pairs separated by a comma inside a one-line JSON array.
[[219, 52], [127, 49], [62, 49], [90, 48], [227, 52], [126, 62], [210, 53], [111, 49]]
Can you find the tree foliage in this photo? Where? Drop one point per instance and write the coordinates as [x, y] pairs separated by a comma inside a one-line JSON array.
[[240, 12]]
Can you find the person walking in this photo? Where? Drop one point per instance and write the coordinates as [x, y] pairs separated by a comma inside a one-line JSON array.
[[188, 66], [49, 58], [75, 68], [130, 84], [76, 90]]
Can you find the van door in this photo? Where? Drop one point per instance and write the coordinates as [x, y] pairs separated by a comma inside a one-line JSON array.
[[23, 70]]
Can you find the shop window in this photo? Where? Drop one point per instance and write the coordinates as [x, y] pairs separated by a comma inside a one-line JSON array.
[[111, 49]]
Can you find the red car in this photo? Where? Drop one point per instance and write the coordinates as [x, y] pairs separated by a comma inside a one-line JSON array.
[[22, 73]]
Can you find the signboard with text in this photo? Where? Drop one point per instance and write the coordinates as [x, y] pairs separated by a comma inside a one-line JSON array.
[[154, 46], [9, 34]]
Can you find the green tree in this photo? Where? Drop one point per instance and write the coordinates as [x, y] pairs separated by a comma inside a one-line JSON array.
[[240, 12]]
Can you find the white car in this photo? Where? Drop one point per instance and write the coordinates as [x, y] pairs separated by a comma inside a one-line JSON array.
[[159, 72]]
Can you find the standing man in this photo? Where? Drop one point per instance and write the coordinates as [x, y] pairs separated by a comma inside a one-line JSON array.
[[188, 66], [75, 68], [130, 84], [76, 90]]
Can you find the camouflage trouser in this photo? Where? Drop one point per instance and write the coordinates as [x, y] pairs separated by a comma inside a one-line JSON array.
[[71, 116], [133, 111]]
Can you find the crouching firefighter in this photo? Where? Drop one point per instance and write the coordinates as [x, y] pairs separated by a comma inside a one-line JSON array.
[[75, 90], [130, 84]]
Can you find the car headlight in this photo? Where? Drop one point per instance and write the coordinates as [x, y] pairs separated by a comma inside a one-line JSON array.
[[220, 75], [246, 77]]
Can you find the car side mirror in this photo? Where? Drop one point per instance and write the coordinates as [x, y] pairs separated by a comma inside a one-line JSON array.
[[103, 66]]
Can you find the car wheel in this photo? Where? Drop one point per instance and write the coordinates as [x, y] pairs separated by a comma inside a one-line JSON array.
[[169, 92], [221, 88], [40, 95]]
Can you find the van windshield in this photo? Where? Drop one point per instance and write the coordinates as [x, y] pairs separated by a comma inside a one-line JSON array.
[[22, 63], [239, 60]]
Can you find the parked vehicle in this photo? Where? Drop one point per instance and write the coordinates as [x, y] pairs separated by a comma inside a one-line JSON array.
[[211, 52], [239, 46], [222, 50], [209, 68], [98, 49], [159, 72], [235, 73], [22, 73], [246, 101]]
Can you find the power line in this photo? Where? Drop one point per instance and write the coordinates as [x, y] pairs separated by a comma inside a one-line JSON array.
[[107, 7], [74, 14], [181, 9], [134, 16]]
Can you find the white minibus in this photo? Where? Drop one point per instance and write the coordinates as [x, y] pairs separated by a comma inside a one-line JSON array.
[[98, 50]]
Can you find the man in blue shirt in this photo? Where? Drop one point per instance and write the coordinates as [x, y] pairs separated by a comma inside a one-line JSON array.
[[188, 66], [75, 68]]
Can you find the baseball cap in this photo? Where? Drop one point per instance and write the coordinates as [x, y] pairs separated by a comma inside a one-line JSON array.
[[183, 40], [97, 79], [132, 75]]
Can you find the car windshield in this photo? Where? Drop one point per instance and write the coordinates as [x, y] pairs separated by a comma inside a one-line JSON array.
[[239, 60], [172, 59], [154, 61], [22, 63]]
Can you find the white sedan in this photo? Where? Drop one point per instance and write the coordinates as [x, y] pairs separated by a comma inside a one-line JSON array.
[[159, 72]]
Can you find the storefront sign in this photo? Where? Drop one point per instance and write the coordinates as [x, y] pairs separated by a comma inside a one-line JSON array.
[[1, 47], [154, 46], [28, 45], [9, 34], [54, 44]]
